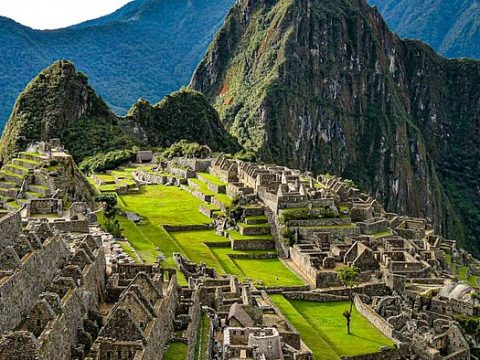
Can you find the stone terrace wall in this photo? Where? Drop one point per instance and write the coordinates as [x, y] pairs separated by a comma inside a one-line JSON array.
[[10, 227], [71, 226], [375, 319], [19, 292], [387, 354]]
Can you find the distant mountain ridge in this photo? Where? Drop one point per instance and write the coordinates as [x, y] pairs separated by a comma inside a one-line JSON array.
[[451, 27], [148, 48]]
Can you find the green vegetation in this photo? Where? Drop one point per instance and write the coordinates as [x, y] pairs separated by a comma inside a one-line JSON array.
[[268, 272], [165, 205], [176, 351], [107, 161], [348, 276], [185, 149], [324, 332], [110, 211], [454, 36], [213, 179], [202, 338], [382, 234]]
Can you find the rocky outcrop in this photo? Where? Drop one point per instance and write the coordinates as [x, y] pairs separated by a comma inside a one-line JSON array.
[[59, 103], [325, 86]]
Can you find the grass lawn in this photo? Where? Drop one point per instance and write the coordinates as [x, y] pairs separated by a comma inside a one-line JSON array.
[[202, 187], [270, 272], [212, 179], [323, 328], [176, 351], [235, 235], [165, 205], [202, 338], [382, 234]]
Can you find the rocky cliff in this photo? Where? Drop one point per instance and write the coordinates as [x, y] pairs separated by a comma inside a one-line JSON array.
[[60, 103], [323, 85]]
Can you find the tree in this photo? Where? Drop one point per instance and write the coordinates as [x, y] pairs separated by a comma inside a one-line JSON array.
[[110, 211], [348, 276]]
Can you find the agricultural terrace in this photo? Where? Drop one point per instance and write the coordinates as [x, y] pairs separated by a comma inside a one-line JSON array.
[[160, 205], [323, 328]]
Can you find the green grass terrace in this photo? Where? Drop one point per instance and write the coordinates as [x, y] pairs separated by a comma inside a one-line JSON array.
[[160, 205], [323, 328]]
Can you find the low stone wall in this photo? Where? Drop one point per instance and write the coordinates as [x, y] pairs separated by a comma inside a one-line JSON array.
[[253, 244], [207, 211], [254, 230], [159, 179], [44, 206], [80, 226], [325, 279], [336, 232], [283, 289], [253, 256], [174, 228], [320, 222], [313, 296], [219, 204], [370, 228], [376, 320], [182, 173], [220, 189], [197, 165], [386, 354]]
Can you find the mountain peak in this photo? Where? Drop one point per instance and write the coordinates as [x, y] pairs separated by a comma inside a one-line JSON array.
[[323, 85]]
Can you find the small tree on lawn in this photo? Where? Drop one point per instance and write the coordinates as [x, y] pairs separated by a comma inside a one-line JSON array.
[[110, 211], [348, 276]]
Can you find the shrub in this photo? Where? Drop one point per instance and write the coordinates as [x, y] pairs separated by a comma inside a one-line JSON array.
[[107, 161], [288, 236], [184, 149]]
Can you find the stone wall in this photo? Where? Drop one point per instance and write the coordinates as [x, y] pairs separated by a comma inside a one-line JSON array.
[[173, 228], [80, 226], [336, 232], [197, 165], [45, 206], [375, 319], [61, 334], [253, 244], [195, 313], [10, 227], [163, 327], [386, 354], [320, 222], [313, 296], [19, 292]]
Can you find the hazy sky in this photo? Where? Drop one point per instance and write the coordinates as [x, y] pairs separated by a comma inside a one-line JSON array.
[[54, 14]]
